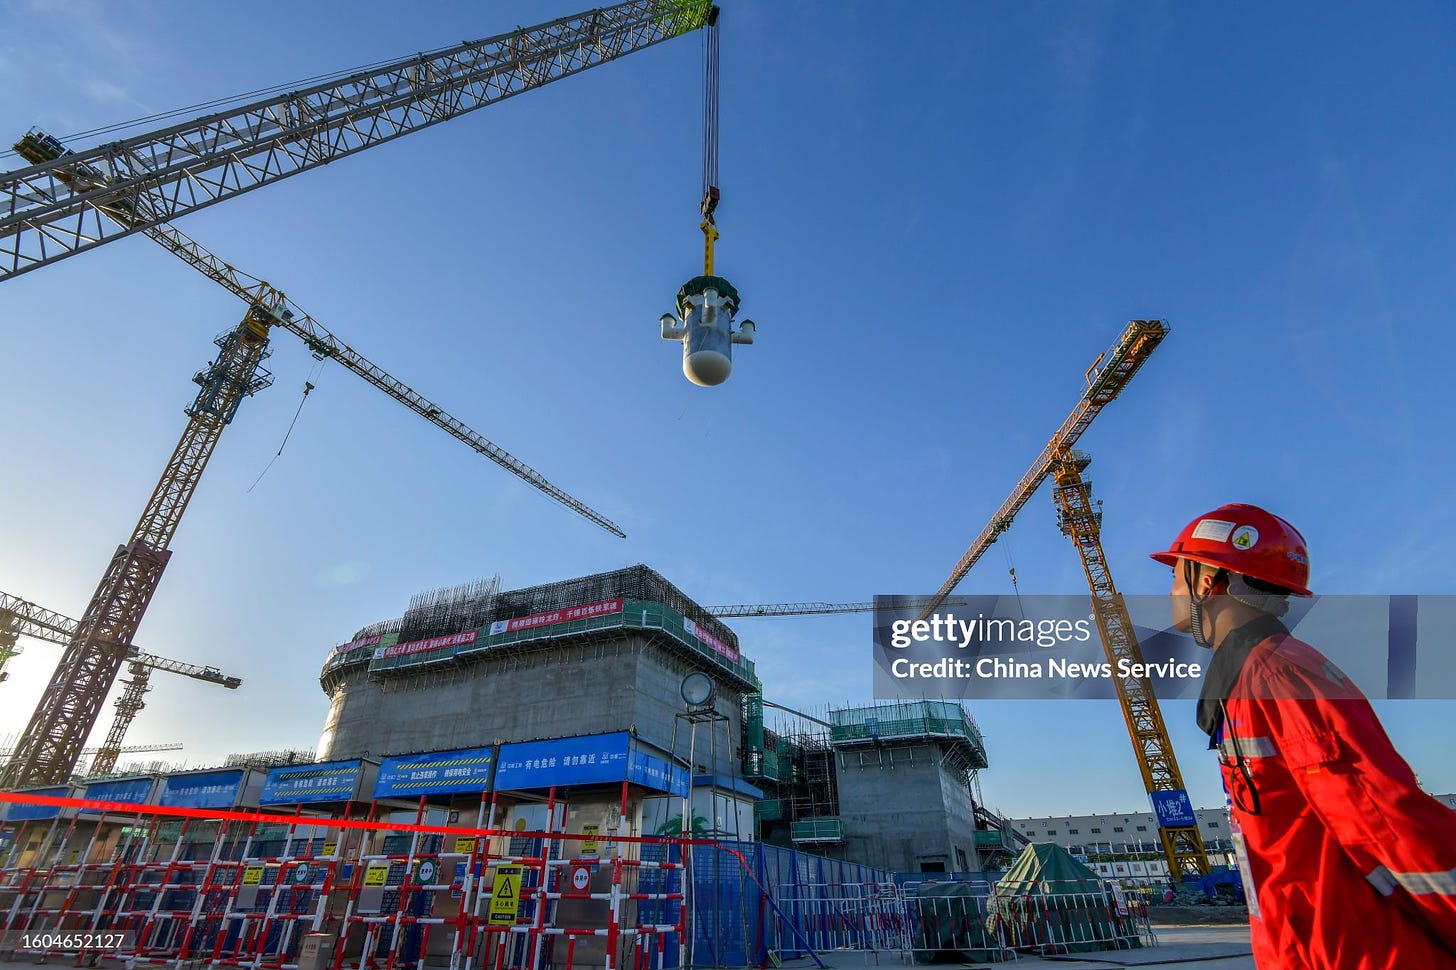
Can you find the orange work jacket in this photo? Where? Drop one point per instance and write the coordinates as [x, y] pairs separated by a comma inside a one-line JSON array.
[[1349, 865]]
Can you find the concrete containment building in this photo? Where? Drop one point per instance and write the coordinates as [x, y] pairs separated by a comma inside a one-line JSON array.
[[474, 665]]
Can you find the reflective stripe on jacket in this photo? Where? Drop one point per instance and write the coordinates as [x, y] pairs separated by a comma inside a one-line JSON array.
[[1353, 866]]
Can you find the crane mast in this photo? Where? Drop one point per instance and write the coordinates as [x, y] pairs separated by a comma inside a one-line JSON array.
[[52, 741], [60, 207], [1081, 522]]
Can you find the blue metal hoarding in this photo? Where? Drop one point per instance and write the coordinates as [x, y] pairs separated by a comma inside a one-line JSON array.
[[209, 789], [134, 791], [643, 769], [327, 781], [20, 812], [437, 772], [590, 760]]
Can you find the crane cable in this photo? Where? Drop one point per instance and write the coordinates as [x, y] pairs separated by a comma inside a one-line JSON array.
[[1011, 566], [710, 139], [710, 114]]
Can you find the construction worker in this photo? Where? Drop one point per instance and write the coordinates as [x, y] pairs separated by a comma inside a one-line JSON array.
[[1346, 863]]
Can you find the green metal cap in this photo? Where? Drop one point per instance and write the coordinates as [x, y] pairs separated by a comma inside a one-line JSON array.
[[688, 15], [698, 284]]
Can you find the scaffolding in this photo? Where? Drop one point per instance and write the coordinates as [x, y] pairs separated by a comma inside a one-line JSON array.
[[944, 721], [450, 609], [637, 582], [458, 625], [264, 760]]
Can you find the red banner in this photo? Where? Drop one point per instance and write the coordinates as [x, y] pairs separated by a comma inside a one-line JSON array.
[[361, 642], [705, 637], [419, 646], [604, 608]]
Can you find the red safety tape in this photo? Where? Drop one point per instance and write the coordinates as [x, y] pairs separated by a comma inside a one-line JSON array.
[[318, 821]]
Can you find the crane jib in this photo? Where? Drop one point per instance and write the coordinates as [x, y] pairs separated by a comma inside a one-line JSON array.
[[172, 171]]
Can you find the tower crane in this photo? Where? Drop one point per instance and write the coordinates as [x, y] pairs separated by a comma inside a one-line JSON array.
[[62, 206], [43, 624], [129, 749], [1080, 521], [790, 609], [67, 202], [9, 635]]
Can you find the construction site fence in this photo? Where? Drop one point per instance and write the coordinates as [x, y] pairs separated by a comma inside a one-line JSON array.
[[320, 894], [973, 921], [323, 894]]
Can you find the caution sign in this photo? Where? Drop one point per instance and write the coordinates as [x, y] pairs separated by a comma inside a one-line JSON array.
[[589, 847], [1120, 897], [330, 848], [465, 846], [253, 876], [505, 895], [376, 875]]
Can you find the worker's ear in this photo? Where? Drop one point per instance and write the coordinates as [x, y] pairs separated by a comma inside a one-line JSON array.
[[1208, 581], [1212, 582]]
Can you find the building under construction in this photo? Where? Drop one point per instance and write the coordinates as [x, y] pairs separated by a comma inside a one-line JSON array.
[[891, 785], [475, 665]]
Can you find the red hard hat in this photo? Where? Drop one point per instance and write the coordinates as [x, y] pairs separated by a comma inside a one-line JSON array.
[[1245, 539]]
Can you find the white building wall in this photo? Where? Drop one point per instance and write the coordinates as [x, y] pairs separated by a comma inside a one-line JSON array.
[[1135, 835]]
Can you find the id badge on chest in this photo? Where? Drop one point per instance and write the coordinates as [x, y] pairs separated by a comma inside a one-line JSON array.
[[1246, 873]]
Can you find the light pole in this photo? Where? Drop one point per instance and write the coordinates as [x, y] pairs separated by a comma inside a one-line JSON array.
[[697, 691]]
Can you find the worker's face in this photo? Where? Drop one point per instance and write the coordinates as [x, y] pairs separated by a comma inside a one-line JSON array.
[[1179, 595]]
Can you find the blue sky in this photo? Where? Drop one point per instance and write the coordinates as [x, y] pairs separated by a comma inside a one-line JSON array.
[[938, 215]]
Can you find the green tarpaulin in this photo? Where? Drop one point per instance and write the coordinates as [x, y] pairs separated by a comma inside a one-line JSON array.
[[1050, 902], [951, 925]]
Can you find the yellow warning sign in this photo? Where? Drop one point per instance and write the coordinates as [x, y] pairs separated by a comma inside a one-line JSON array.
[[377, 874], [465, 845], [253, 876], [589, 846], [330, 848], [505, 895]]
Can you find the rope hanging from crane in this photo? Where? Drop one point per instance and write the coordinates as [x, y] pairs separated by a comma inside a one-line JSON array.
[[307, 386]]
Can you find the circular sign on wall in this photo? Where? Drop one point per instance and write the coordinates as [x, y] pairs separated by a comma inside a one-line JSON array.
[[580, 878]]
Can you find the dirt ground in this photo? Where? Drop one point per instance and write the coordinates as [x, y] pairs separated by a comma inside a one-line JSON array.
[[1197, 915]]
